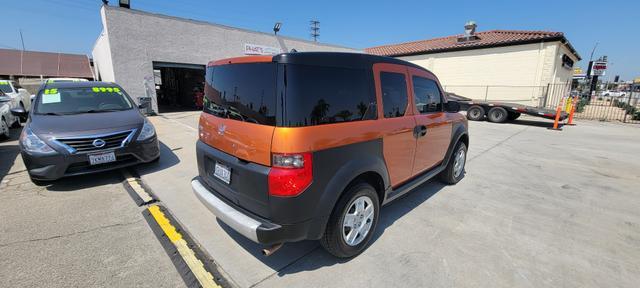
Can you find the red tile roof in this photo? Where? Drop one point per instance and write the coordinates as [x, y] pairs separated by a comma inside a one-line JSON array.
[[486, 39]]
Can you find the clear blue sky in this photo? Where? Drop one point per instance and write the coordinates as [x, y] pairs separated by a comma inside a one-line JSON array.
[[73, 26]]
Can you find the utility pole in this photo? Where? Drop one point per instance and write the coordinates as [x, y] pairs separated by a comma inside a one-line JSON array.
[[315, 30], [21, 39], [593, 81]]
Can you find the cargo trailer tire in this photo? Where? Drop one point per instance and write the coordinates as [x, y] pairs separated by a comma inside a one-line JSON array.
[[475, 113], [497, 115], [353, 221]]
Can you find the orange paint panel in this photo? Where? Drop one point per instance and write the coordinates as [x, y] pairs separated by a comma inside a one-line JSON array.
[[316, 138], [243, 59], [247, 141]]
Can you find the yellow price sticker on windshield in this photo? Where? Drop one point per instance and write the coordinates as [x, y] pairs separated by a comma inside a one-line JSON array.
[[51, 91], [105, 89], [4, 82]]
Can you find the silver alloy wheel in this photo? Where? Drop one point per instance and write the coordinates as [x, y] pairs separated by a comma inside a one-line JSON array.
[[458, 162], [358, 221]]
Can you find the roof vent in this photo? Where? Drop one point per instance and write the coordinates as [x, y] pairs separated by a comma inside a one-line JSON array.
[[469, 32]]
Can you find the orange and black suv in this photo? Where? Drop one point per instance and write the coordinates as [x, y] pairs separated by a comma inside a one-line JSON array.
[[302, 146]]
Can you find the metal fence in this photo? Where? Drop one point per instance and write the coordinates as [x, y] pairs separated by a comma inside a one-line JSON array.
[[623, 107]]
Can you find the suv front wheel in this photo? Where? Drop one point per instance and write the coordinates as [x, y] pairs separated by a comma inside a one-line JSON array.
[[353, 222], [455, 168]]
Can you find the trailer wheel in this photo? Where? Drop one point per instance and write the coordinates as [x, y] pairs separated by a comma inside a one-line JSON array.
[[513, 116], [497, 115], [475, 113]]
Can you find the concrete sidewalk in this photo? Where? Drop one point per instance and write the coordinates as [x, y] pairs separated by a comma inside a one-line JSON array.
[[537, 208]]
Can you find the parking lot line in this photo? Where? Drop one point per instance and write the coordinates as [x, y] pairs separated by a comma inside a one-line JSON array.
[[203, 277]]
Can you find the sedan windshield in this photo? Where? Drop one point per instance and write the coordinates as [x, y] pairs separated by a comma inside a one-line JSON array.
[[5, 87], [76, 100]]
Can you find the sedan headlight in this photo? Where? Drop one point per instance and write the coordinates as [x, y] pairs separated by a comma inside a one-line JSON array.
[[32, 143], [147, 131]]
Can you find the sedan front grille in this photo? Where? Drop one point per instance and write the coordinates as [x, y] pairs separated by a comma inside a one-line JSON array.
[[91, 143]]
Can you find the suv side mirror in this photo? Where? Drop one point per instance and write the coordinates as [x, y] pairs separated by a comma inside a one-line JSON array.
[[452, 107], [143, 105], [19, 112]]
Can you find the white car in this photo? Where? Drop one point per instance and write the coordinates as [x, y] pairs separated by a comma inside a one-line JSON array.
[[17, 96], [7, 120], [613, 93]]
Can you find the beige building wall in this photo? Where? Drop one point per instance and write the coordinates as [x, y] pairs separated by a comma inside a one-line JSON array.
[[518, 73]]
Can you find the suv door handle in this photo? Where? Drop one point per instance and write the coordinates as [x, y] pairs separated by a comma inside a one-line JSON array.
[[419, 131]]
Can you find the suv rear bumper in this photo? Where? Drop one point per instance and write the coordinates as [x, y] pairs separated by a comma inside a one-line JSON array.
[[253, 227]]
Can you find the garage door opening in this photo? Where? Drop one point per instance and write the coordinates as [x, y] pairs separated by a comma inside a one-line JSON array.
[[179, 87]]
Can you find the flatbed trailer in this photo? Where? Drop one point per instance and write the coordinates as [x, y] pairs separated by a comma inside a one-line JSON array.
[[499, 112]]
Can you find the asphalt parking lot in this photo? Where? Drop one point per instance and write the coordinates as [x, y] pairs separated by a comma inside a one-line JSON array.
[[537, 208], [79, 232]]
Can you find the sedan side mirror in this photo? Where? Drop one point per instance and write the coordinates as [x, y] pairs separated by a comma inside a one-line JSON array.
[[19, 112], [452, 107]]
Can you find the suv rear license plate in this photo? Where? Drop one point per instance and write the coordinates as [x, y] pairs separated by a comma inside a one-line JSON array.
[[223, 173], [96, 159]]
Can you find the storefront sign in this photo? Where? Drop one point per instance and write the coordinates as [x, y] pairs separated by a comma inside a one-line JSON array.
[[253, 49], [598, 68]]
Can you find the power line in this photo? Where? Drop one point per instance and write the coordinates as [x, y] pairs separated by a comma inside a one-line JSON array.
[[315, 30]]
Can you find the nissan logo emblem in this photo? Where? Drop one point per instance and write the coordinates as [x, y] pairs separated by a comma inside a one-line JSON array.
[[99, 143]]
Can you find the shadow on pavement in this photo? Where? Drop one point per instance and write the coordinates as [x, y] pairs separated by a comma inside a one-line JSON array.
[[534, 123], [9, 151], [283, 260], [74, 183], [167, 160]]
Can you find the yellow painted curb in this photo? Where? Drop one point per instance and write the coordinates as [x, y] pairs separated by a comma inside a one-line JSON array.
[[135, 185], [195, 265]]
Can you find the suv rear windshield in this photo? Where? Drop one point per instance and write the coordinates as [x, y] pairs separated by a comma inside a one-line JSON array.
[[300, 95], [244, 92], [77, 100]]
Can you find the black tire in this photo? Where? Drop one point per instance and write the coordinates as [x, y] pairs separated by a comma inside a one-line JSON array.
[[5, 132], [497, 115], [513, 116], [333, 240], [448, 176], [475, 113]]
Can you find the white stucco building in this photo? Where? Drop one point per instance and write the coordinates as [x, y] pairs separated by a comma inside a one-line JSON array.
[[164, 57], [499, 65]]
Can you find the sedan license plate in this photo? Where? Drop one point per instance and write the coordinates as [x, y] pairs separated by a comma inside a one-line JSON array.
[[96, 159], [223, 173]]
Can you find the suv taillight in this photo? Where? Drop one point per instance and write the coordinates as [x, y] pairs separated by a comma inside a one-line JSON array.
[[290, 174]]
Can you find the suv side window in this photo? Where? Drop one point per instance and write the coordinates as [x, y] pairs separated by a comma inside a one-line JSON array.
[[316, 95], [426, 95], [394, 94]]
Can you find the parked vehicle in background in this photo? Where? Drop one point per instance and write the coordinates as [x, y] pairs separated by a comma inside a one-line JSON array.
[[18, 97], [7, 120], [84, 127], [613, 93], [309, 146]]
